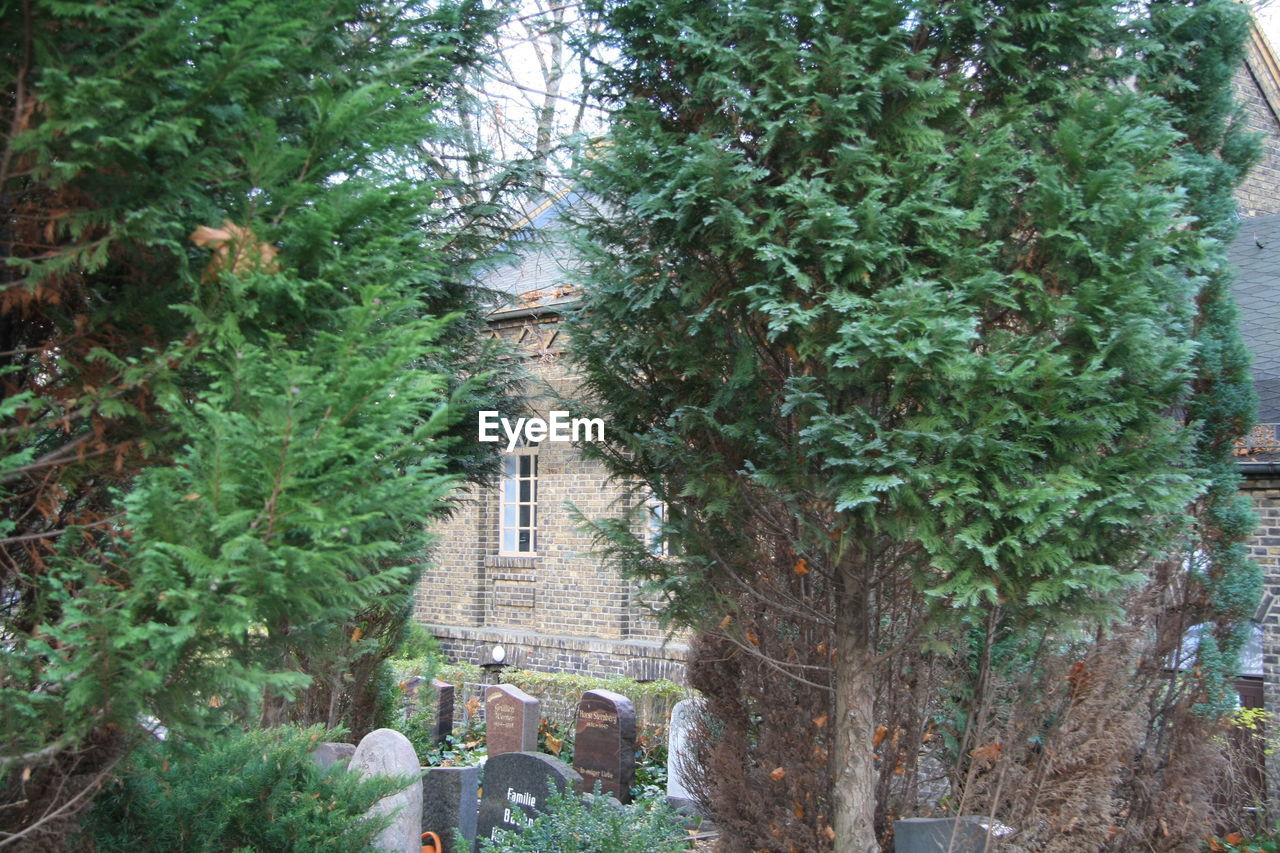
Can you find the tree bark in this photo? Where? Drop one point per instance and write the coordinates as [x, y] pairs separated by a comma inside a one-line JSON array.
[[853, 764]]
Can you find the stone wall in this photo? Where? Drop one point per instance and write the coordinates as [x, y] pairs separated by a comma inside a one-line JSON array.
[[561, 609]]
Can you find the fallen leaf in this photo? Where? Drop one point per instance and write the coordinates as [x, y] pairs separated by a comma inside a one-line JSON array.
[[802, 566], [356, 634], [820, 721], [777, 774], [881, 732]]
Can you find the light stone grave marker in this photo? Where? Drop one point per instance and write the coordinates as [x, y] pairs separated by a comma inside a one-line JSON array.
[[680, 754], [386, 752]]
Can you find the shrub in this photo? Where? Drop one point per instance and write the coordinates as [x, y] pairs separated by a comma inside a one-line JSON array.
[[258, 790], [595, 824], [420, 644]]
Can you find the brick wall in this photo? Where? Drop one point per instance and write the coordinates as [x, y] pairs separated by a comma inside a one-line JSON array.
[[561, 610], [1264, 547], [1259, 95]]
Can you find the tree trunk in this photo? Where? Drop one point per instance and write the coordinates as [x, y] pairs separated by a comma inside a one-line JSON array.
[[853, 765]]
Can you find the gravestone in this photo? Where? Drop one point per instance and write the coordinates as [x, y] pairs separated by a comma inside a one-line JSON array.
[[409, 687], [680, 754], [449, 797], [510, 720], [604, 743], [444, 709], [329, 754], [966, 834], [386, 752], [516, 785]]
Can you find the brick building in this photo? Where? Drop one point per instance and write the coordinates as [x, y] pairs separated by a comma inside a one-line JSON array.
[[512, 568], [1256, 258]]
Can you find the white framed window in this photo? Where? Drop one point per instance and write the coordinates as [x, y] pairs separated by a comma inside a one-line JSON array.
[[518, 504], [655, 516]]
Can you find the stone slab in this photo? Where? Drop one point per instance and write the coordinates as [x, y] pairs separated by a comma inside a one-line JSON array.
[[965, 834], [449, 802]]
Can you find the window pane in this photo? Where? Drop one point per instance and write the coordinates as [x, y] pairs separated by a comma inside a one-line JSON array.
[[526, 491], [526, 515], [509, 490], [509, 516], [509, 466], [526, 465], [508, 541], [526, 540]]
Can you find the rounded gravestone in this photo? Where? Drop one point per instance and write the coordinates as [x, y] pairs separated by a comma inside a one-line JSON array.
[[386, 752], [516, 785], [680, 755]]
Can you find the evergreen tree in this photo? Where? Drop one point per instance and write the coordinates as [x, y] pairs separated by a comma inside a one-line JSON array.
[[888, 301], [237, 347]]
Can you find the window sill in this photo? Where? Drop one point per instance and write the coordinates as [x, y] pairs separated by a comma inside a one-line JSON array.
[[512, 561]]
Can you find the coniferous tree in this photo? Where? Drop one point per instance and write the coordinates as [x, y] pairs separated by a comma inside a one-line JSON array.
[[237, 346], [890, 303]]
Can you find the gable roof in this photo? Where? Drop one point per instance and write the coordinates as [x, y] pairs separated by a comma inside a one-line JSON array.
[[536, 278]]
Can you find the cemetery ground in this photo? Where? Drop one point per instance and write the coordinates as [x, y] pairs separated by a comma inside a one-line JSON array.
[[482, 762], [479, 766]]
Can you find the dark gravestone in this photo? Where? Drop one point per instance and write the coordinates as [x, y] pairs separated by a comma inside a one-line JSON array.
[[946, 835], [329, 754], [604, 743], [449, 803], [444, 709], [516, 785], [510, 720]]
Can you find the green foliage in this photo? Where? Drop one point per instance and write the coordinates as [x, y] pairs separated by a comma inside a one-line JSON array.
[[258, 790], [890, 303], [651, 767], [420, 644], [227, 254], [1198, 49], [464, 747], [594, 824]]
